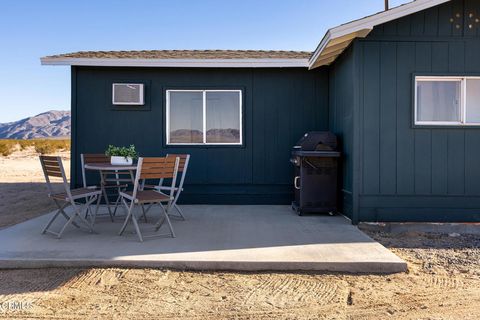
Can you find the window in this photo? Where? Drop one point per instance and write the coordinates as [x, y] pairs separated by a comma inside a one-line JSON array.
[[447, 101], [208, 117]]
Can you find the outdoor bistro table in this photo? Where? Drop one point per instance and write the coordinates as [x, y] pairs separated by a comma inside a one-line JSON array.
[[106, 169]]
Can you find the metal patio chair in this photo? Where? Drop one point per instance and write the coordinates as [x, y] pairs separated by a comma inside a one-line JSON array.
[[53, 168], [151, 169], [182, 167], [109, 180]]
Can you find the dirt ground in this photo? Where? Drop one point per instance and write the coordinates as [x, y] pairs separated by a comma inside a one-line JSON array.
[[443, 281], [23, 194]]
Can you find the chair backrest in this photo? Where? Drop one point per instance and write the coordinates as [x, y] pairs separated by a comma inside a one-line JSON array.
[[182, 167], [53, 168], [184, 159], [87, 158], [156, 168]]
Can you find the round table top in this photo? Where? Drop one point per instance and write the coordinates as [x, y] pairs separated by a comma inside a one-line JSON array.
[[108, 166]]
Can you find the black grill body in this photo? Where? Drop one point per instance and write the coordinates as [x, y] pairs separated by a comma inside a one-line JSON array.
[[316, 158]]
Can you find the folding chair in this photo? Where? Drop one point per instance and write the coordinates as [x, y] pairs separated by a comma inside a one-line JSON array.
[[53, 168], [110, 180], [182, 167], [151, 168]]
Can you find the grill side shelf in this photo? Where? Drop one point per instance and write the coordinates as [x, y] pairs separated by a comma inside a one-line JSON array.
[[329, 154]]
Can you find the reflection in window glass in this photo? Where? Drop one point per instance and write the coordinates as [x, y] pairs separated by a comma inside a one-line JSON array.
[[186, 117], [473, 101], [223, 117], [438, 101]]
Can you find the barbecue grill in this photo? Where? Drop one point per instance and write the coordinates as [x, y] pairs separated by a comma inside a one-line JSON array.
[[315, 158]]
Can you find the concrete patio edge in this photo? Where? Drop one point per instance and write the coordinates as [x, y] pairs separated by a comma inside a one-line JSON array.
[[347, 267], [233, 238]]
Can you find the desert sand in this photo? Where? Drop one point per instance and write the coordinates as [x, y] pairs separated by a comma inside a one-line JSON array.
[[443, 281], [23, 194]]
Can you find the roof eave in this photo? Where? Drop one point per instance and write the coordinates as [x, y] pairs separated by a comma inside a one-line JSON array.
[[178, 63], [361, 28]]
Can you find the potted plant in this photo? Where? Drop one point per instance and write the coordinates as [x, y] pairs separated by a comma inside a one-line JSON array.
[[121, 155]]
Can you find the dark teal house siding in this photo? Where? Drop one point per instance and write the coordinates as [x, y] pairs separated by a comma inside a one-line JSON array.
[[408, 173], [341, 122], [279, 106], [391, 170]]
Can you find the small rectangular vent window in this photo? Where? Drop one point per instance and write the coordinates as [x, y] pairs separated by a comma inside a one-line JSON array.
[[128, 94]]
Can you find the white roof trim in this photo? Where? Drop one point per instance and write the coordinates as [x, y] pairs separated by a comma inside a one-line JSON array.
[[189, 63], [361, 28]]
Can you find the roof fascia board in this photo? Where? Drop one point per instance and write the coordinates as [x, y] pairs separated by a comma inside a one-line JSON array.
[[190, 63], [368, 23]]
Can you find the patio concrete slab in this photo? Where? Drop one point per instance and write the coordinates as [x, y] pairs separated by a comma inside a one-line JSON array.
[[214, 237]]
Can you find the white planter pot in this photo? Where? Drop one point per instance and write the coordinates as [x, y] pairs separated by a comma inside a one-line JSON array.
[[119, 161]]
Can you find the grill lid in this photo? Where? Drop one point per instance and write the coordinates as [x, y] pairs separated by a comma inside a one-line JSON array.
[[317, 141]]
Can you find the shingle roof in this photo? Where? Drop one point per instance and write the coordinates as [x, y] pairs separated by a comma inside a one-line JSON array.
[[186, 54]]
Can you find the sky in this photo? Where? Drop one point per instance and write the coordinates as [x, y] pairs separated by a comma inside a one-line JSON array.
[[30, 29]]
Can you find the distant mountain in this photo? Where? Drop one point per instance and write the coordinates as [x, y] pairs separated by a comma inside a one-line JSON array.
[[223, 135], [50, 124], [213, 136], [186, 136]]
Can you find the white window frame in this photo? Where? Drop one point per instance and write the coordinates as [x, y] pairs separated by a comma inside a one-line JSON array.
[[463, 101], [204, 115]]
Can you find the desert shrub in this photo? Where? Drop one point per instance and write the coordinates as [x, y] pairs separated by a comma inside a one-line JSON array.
[[46, 146], [42, 146], [62, 145], [24, 144], [7, 147]]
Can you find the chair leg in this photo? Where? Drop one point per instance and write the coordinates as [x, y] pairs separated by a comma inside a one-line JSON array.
[[64, 214], [66, 225], [137, 228], [51, 221], [97, 206], [179, 211], [89, 211], [78, 213], [59, 211], [70, 219], [144, 213], [105, 196], [166, 218], [117, 202], [129, 213]]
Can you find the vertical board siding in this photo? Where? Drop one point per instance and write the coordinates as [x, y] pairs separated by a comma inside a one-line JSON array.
[[342, 103], [452, 19], [456, 162], [388, 123], [415, 168], [439, 162], [426, 160], [471, 7], [405, 136], [472, 161], [279, 106], [423, 137], [439, 62], [371, 118]]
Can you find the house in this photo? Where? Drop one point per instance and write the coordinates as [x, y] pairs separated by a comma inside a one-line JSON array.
[[399, 88]]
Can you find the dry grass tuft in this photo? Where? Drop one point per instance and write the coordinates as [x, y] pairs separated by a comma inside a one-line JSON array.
[[41, 146]]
